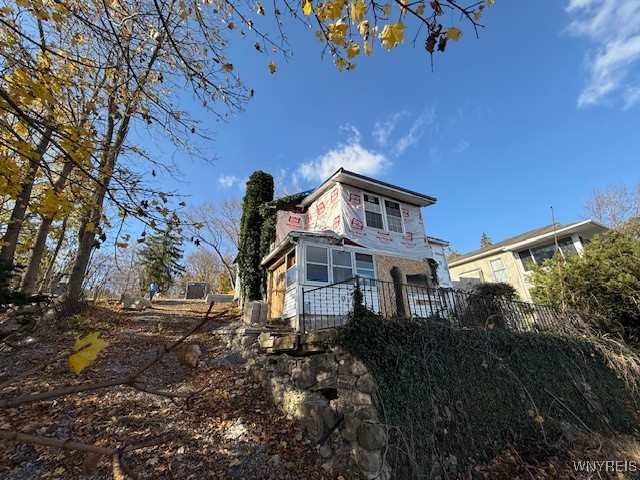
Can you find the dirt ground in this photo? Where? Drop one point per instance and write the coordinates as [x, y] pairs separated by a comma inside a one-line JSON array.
[[228, 430]]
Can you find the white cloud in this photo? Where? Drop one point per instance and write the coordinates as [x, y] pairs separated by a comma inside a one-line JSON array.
[[460, 147], [383, 130], [228, 181], [350, 155], [613, 27], [416, 131]]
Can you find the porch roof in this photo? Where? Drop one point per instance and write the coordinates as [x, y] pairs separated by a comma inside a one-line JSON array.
[[291, 239]]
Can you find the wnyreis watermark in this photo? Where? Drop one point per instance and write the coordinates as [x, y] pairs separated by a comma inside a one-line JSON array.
[[606, 466]]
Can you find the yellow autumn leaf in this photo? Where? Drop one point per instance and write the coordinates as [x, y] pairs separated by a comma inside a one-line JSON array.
[[420, 9], [386, 9], [335, 9], [272, 66], [87, 350], [404, 4], [358, 10], [392, 35], [368, 49], [363, 28], [353, 50], [490, 2], [477, 15], [235, 462], [306, 8], [340, 63], [454, 33], [538, 419]]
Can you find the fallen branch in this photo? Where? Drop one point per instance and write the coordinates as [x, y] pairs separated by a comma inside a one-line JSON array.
[[75, 446]]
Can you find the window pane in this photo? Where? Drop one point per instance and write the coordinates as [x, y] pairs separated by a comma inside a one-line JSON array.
[[316, 254], [526, 259], [393, 208], [540, 254], [364, 261], [567, 246], [374, 220], [341, 274], [395, 224], [317, 273], [341, 258], [291, 276], [499, 272]]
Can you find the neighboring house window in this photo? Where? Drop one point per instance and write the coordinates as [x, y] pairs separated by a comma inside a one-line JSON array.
[[317, 264], [291, 269], [342, 269], [477, 273], [537, 255], [372, 212], [499, 271], [394, 217]]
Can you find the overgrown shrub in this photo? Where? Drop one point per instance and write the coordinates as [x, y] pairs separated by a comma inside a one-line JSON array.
[[445, 391], [486, 305], [604, 283], [251, 242]]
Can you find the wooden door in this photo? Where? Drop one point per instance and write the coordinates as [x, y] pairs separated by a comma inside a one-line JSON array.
[[277, 288]]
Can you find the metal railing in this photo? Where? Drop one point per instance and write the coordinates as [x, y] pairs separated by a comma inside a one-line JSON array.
[[329, 307]]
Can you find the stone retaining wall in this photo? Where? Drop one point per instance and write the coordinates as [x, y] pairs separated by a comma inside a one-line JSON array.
[[317, 392]]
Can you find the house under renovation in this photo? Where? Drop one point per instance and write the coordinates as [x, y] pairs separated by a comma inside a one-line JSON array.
[[354, 229]]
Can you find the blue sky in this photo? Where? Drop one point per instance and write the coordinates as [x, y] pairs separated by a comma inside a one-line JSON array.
[[539, 110]]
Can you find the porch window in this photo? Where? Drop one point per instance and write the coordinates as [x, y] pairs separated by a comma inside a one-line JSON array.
[[291, 269], [364, 266], [394, 217], [317, 266], [499, 270], [342, 269], [335, 265], [372, 211]]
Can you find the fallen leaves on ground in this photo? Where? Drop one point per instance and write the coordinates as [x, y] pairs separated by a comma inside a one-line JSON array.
[[231, 430]]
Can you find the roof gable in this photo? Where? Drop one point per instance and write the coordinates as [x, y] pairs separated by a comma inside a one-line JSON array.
[[368, 184]]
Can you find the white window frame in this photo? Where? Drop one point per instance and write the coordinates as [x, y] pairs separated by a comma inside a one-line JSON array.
[[330, 266], [503, 269], [382, 203], [292, 269]]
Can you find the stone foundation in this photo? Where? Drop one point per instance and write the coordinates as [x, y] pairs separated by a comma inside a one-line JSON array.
[[321, 392]]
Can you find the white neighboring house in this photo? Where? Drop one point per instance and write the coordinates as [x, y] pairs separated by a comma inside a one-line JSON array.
[[353, 225], [510, 260]]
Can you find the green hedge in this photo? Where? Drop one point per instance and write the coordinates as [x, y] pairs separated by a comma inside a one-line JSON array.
[[467, 392]]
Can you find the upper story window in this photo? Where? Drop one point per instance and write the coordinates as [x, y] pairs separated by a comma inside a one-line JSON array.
[[394, 217], [373, 212], [537, 255]]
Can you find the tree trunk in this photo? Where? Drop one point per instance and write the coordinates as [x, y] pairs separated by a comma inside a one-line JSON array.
[[10, 238], [111, 147], [30, 278], [47, 276]]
